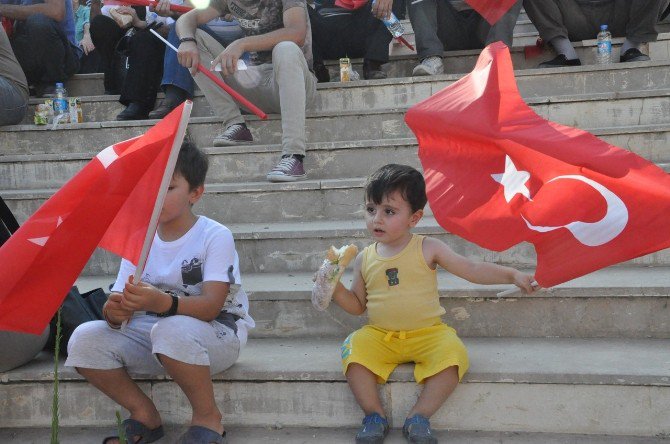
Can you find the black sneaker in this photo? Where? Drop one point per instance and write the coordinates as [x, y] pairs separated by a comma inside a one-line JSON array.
[[417, 430], [321, 72], [560, 60], [134, 111], [373, 431], [372, 70], [235, 134], [634, 55]]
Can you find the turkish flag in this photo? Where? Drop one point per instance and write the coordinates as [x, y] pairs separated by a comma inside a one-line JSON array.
[[498, 174], [491, 10], [108, 203]]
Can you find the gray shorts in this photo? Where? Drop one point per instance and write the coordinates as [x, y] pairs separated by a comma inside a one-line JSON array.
[[183, 338]]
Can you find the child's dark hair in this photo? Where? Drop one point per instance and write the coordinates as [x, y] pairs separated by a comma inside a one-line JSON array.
[[393, 177], [191, 164]]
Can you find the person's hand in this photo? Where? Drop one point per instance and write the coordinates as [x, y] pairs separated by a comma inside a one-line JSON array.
[[382, 9], [188, 56], [229, 57], [143, 296], [115, 311], [525, 282], [127, 10], [87, 44], [162, 8]]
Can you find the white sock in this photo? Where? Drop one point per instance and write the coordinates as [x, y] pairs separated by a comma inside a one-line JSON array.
[[627, 44], [563, 46]]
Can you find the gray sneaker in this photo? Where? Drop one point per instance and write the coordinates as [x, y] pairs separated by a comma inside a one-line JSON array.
[[235, 134], [417, 430], [430, 66], [373, 430], [289, 169]]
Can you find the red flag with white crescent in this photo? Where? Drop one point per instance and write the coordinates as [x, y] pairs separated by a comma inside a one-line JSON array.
[[109, 203], [498, 174]]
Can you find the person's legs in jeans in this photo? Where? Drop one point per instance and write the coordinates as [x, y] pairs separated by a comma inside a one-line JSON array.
[[106, 34], [51, 61], [503, 29], [289, 67], [145, 60]]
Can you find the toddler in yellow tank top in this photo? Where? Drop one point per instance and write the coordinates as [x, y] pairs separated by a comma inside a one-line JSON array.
[[395, 280]]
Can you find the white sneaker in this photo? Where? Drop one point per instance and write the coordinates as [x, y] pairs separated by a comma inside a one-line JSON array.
[[430, 66]]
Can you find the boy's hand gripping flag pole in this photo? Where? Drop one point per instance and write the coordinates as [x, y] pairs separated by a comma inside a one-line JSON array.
[[237, 96]]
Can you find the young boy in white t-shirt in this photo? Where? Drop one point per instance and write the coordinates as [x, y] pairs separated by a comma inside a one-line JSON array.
[[196, 316]]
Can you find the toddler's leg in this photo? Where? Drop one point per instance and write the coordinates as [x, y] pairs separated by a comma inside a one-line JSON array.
[[436, 390], [363, 384]]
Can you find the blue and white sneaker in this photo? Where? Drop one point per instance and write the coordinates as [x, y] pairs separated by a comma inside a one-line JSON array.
[[417, 430], [374, 430]]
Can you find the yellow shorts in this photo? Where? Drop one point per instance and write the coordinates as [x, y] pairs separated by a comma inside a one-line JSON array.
[[432, 349]]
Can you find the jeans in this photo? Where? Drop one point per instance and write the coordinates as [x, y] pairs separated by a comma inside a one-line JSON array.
[[177, 75], [581, 19], [438, 26], [286, 86], [43, 51], [13, 103]]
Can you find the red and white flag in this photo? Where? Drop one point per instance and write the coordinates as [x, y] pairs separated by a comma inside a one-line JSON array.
[[491, 10], [498, 174], [112, 202]]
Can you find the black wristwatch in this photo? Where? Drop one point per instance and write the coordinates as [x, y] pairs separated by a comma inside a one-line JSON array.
[[187, 39], [173, 308]]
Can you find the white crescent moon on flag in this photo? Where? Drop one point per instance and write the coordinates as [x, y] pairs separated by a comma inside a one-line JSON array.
[[597, 233]]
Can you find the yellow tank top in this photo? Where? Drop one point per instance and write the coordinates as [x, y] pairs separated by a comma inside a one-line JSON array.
[[402, 290]]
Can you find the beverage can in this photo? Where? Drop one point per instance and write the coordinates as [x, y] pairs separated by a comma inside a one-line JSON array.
[[345, 69], [76, 114]]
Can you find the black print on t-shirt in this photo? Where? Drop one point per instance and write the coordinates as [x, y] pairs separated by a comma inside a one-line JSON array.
[[392, 276], [191, 272]]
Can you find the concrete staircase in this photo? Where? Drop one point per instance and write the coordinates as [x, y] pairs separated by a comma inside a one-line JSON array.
[[584, 362]]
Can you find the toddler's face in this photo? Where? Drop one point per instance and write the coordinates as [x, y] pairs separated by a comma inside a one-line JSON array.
[[391, 219]]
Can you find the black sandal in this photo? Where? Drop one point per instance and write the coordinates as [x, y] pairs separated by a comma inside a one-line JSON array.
[[135, 428]]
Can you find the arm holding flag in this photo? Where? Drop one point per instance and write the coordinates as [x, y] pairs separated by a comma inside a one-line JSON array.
[[437, 252]]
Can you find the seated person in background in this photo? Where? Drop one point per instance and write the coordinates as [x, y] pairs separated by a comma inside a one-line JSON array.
[[453, 25], [351, 28], [89, 58], [13, 85], [278, 77], [145, 52], [43, 41], [177, 83], [562, 21]]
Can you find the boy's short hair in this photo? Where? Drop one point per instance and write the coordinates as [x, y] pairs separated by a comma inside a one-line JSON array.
[[393, 177], [192, 164]]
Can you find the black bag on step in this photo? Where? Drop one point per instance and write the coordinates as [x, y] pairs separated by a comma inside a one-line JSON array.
[[76, 309]]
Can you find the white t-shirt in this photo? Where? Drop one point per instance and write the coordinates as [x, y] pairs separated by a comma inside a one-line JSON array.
[[205, 253]]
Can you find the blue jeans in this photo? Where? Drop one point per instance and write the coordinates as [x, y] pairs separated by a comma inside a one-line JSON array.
[[12, 103], [177, 75]]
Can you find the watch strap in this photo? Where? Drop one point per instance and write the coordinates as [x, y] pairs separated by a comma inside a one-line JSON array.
[[173, 308]]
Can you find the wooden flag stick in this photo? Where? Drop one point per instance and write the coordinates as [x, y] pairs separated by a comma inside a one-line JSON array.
[[514, 290]]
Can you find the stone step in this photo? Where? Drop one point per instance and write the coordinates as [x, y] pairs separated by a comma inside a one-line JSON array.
[[301, 245], [592, 386], [325, 160], [277, 434], [394, 92], [582, 110], [401, 65], [616, 302]]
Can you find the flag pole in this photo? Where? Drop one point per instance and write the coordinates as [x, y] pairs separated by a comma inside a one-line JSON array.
[[162, 191], [514, 290]]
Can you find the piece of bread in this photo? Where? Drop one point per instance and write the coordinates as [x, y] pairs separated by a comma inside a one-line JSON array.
[[343, 255]]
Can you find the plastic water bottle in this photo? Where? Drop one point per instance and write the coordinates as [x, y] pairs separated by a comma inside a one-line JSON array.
[[393, 25], [61, 105], [604, 51]]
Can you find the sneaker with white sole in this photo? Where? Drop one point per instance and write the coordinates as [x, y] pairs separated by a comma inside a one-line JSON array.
[[289, 169], [235, 134], [430, 66]]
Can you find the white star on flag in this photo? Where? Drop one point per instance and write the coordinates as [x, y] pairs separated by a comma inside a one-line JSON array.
[[41, 241], [513, 181]]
